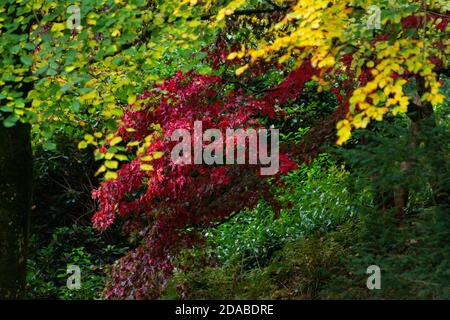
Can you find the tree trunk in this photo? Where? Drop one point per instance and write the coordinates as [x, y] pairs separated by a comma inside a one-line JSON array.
[[15, 204]]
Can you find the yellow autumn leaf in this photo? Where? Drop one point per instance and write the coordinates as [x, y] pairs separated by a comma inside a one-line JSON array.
[[232, 55], [58, 27], [131, 99], [344, 131], [241, 70], [70, 68], [327, 62], [157, 154], [111, 164], [82, 145], [121, 157], [115, 141], [100, 170], [147, 167], [111, 175]]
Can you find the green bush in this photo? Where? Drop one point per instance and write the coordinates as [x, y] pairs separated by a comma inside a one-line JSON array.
[[315, 198], [297, 271], [74, 245], [412, 253], [261, 254]]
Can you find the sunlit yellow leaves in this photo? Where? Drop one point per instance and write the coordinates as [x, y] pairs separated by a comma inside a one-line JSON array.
[[115, 33], [232, 55], [111, 175], [82, 145], [157, 154], [131, 99], [121, 157], [111, 164], [344, 131], [327, 62], [115, 141], [241, 70], [133, 144], [91, 96], [436, 99], [69, 68], [89, 138], [283, 58], [56, 27], [229, 9], [376, 113], [402, 106], [360, 121], [91, 18], [358, 96], [146, 167], [109, 155], [100, 170]]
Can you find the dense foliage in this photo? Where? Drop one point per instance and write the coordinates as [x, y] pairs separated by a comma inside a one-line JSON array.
[[117, 79]]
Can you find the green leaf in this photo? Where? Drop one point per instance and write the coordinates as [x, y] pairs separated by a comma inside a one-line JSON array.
[[49, 146], [26, 60], [10, 121]]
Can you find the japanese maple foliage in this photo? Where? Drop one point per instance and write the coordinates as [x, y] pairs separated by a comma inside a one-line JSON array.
[[168, 204]]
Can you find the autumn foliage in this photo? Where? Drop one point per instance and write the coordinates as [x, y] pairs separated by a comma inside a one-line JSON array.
[[168, 204]]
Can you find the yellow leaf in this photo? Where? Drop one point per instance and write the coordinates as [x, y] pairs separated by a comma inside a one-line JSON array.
[[241, 70], [133, 144], [82, 145], [111, 164], [157, 154], [146, 167], [58, 27], [109, 155], [110, 175], [327, 62], [70, 68], [121, 157], [115, 33], [232, 55], [131, 99], [344, 129], [100, 170], [115, 141], [89, 138]]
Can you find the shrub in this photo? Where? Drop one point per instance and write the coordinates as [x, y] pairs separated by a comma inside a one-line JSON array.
[[315, 198], [74, 245]]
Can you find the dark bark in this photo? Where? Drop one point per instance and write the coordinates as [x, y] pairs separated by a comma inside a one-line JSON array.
[[15, 204]]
